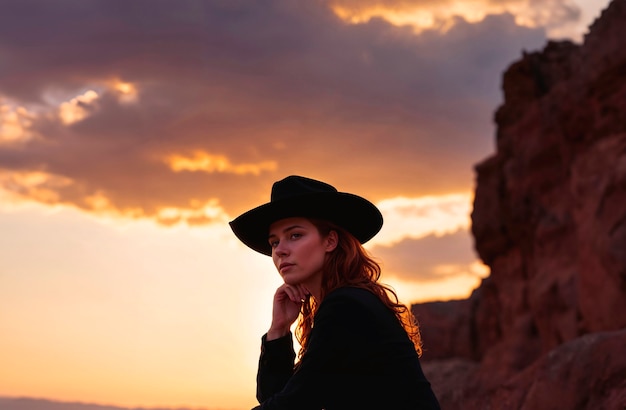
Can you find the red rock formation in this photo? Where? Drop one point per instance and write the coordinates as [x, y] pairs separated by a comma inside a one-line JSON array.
[[547, 329]]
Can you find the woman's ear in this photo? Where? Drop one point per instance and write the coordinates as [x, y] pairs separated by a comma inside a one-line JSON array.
[[332, 239]]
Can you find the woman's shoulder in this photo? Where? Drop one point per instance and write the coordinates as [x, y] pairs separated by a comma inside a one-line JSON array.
[[349, 292], [356, 308], [352, 295]]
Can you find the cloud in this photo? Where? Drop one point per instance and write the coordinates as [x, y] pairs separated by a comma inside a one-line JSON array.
[[427, 239], [37, 185], [77, 108], [415, 218], [112, 95], [205, 162], [555, 15], [430, 258], [14, 124]]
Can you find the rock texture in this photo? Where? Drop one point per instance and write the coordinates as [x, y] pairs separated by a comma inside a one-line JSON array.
[[547, 328]]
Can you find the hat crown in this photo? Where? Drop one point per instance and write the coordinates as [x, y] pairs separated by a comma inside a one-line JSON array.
[[294, 185], [296, 196]]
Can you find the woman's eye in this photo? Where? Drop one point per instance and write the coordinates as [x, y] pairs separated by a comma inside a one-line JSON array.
[[273, 244], [296, 235]]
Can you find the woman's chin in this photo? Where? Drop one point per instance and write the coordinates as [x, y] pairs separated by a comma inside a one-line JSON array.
[[290, 280]]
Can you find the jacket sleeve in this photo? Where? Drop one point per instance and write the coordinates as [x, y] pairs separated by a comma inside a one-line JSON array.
[[275, 366], [308, 386]]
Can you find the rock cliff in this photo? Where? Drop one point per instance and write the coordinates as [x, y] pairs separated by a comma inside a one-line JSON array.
[[547, 328]]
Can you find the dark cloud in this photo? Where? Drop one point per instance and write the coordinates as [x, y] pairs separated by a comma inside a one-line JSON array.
[[422, 259], [372, 108]]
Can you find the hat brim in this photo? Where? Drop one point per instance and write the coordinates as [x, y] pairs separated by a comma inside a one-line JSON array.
[[355, 214]]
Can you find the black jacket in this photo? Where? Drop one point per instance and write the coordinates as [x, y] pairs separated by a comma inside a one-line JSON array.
[[359, 357]]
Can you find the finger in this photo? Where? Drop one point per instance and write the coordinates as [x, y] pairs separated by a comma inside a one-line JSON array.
[[301, 293], [281, 293], [304, 291], [293, 293]]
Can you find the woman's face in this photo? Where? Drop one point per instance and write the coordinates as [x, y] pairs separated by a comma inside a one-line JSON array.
[[298, 250]]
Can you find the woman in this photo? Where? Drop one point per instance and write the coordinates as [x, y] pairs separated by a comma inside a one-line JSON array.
[[360, 346]]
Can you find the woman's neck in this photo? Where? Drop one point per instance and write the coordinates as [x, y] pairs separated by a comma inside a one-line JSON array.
[[314, 286]]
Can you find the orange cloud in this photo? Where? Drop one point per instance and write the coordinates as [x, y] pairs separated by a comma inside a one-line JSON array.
[[128, 92], [15, 124], [76, 109], [36, 185], [441, 15], [205, 162], [199, 213]]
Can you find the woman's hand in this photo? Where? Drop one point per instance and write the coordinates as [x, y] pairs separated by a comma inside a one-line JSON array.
[[288, 300]]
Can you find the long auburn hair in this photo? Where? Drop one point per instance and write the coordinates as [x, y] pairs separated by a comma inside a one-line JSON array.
[[349, 264]]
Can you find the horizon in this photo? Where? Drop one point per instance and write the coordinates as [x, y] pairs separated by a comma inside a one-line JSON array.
[[47, 404]]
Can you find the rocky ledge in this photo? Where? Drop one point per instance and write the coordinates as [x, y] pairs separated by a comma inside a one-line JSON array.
[[547, 328]]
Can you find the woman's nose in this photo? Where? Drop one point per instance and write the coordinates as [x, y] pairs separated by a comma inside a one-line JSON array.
[[281, 249]]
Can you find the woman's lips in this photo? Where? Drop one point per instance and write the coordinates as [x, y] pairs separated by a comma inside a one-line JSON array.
[[284, 266]]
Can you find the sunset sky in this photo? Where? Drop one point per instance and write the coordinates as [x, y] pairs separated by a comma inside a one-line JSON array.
[[132, 132]]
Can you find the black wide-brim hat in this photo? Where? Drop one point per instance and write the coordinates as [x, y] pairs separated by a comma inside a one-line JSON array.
[[297, 196]]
